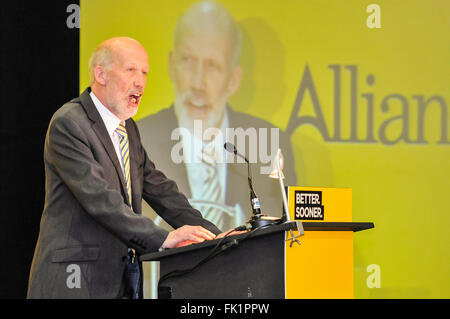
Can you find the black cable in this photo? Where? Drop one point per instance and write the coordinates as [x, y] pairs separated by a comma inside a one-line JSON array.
[[212, 254], [252, 233], [241, 228]]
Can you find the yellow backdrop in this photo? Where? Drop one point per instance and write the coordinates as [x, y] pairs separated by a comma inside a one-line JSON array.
[[366, 108]]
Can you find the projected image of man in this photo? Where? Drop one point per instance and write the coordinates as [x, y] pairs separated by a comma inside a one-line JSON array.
[[204, 69]]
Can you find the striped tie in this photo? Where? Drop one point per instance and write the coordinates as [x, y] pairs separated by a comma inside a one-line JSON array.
[[124, 151]]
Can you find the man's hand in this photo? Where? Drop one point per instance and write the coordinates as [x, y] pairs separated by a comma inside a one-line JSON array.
[[187, 235]]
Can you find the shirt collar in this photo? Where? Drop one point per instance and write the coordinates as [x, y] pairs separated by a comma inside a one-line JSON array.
[[111, 121]]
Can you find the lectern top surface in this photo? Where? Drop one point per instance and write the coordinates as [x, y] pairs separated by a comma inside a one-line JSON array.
[[308, 226]]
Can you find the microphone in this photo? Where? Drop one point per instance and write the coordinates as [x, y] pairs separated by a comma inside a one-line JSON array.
[[253, 198], [230, 148], [257, 220]]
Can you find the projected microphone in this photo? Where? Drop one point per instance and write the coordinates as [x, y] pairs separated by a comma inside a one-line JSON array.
[[257, 219]]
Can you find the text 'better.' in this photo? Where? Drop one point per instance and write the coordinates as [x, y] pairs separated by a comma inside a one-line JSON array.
[[308, 205]]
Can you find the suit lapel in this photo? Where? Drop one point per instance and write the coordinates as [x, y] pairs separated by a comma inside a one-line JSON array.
[[100, 129], [179, 171]]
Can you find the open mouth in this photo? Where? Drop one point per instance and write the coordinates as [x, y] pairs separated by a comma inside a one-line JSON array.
[[197, 109], [135, 98], [197, 103]]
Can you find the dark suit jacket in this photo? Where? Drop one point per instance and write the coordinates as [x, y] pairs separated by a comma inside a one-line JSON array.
[[156, 132], [87, 220]]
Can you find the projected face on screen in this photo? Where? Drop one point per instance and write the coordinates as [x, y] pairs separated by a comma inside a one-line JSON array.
[[203, 66], [186, 139]]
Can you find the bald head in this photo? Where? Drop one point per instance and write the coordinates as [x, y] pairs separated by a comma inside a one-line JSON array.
[[210, 17], [109, 51]]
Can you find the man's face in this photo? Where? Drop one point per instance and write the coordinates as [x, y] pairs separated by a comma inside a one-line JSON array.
[[204, 77], [125, 80]]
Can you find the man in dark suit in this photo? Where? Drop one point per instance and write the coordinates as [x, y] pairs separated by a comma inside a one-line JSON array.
[[205, 72], [97, 173]]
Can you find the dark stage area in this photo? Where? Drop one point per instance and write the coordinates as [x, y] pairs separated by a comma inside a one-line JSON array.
[[39, 72]]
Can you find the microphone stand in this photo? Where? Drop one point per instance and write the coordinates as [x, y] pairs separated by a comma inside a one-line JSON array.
[[257, 219]]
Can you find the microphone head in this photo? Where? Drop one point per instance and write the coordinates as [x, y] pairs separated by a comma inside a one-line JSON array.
[[230, 147]]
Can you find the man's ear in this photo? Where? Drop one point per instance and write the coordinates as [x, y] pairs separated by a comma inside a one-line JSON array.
[[235, 80], [100, 75]]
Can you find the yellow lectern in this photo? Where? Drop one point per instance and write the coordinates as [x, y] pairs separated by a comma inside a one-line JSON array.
[[322, 265]]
